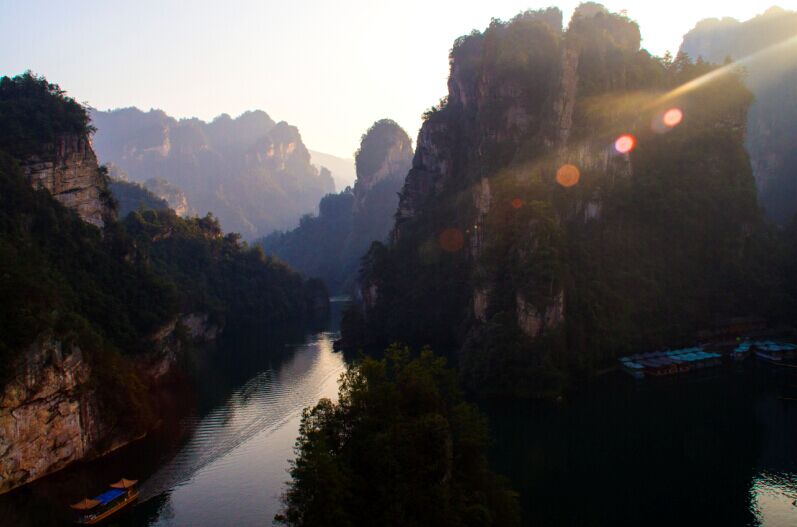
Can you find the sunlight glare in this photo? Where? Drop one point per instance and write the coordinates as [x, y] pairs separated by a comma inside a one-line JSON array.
[[451, 240], [625, 143], [568, 175]]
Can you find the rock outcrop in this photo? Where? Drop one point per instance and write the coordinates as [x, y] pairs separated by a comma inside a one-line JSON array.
[[48, 414], [71, 174]]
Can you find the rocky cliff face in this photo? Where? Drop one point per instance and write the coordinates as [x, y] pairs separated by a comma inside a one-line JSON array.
[[71, 174], [506, 116], [531, 219], [253, 174], [48, 414]]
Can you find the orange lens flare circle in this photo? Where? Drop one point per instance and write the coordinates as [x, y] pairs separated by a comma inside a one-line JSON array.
[[625, 143], [672, 117], [451, 240], [568, 175], [516, 203]]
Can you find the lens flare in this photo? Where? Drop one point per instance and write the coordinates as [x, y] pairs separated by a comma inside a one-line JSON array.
[[672, 117], [517, 203], [567, 175], [625, 143], [451, 240]]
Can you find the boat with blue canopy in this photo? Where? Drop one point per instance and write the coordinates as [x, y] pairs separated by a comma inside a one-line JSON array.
[[94, 510]]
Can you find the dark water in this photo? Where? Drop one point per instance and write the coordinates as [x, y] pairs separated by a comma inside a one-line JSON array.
[[709, 450]]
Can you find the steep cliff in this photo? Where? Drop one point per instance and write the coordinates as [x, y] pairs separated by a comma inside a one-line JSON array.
[[253, 174], [69, 172], [329, 246], [548, 207], [48, 414], [767, 46]]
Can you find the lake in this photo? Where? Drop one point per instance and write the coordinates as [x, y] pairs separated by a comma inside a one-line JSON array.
[[716, 448]]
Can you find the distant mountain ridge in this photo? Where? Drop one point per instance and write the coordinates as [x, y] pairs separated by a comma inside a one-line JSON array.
[[251, 172], [771, 76], [343, 170]]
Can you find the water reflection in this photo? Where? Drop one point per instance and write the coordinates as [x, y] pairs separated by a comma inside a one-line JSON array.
[[772, 499], [713, 450]]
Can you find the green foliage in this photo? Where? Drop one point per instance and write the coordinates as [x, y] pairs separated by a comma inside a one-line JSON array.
[[240, 287], [400, 448], [374, 145], [35, 113]]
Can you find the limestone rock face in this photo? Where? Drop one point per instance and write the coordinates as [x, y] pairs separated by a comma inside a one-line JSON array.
[[394, 166], [533, 321], [48, 414], [71, 174]]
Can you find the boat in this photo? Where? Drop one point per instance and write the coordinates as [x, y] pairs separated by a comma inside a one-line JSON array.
[[742, 351], [663, 363], [120, 495], [771, 351]]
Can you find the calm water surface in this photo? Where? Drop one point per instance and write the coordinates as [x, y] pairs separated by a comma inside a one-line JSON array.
[[707, 450], [718, 448]]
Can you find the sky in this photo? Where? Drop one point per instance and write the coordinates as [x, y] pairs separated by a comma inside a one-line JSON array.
[[330, 67]]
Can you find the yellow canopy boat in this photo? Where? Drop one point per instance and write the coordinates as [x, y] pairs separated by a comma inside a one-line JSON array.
[[121, 494]]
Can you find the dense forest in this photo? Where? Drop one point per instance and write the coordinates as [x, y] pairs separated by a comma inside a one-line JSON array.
[[566, 206], [330, 245], [252, 173], [109, 291], [401, 447], [762, 44]]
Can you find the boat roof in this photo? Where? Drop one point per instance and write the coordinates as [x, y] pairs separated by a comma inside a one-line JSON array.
[[124, 483], [85, 504], [109, 495]]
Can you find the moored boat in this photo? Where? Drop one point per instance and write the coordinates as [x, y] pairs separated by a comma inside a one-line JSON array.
[[100, 507], [774, 351], [663, 363]]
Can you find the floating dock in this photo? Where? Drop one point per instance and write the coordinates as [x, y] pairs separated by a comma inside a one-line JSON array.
[[671, 362]]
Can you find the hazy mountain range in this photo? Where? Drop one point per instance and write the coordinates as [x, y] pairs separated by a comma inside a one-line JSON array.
[[254, 174]]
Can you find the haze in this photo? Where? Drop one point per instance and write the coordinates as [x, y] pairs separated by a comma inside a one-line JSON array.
[[330, 68]]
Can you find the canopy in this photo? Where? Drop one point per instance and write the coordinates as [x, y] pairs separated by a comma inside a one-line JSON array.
[[124, 483], [85, 504], [109, 495]]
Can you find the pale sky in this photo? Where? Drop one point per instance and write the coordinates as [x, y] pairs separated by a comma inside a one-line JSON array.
[[330, 67]]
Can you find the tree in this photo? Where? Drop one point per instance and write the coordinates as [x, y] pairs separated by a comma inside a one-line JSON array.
[[399, 448]]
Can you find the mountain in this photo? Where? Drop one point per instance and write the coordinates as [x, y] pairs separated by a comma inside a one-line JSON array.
[[771, 74], [565, 206], [253, 174], [330, 245], [104, 312], [343, 171]]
